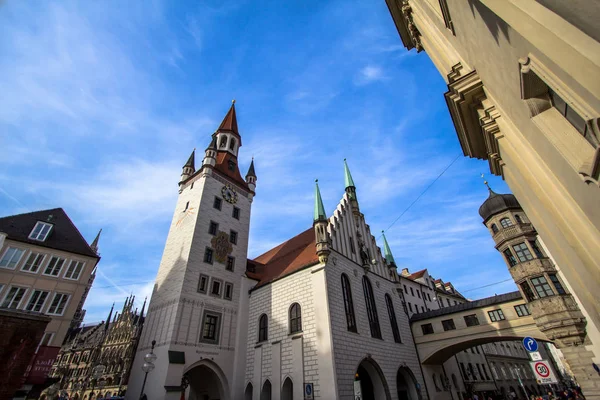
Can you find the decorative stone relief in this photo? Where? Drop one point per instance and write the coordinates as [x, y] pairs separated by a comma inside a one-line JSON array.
[[413, 31]]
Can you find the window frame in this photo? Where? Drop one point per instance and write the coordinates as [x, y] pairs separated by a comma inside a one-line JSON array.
[[208, 255], [527, 290], [8, 292], [12, 257], [217, 327], [212, 287], [519, 310], [558, 286], [348, 304], [371, 307], [393, 320], [522, 251], [228, 285], [64, 307], [469, 319], [542, 289], [62, 264], [235, 213], [207, 281], [496, 315], [39, 260], [80, 264], [218, 203], [425, 328], [507, 224], [295, 320], [230, 261], [37, 236], [263, 328], [448, 325], [233, 236], [509, 257], [37, 300], [211, 225]]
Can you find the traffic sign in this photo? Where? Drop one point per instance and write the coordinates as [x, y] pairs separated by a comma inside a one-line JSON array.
[[530, 344], [543, 372], [535, 356], [308, 391]]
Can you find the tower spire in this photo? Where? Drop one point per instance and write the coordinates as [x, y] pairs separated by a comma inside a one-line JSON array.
[[319, 214], [351, 189], [229, 123], [320, 227], [109, 317], [143, 308], [94, 245], [189, 168], [348, 176], [251, 176], [387, 252]]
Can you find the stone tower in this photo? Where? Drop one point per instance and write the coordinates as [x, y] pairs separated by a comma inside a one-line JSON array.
[[199, 294], [554, 309]]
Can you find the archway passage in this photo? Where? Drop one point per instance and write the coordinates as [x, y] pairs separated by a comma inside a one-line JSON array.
[[287, 391], [406, 384], [205, 384], [265, 393], [248, 393], [371, 380]]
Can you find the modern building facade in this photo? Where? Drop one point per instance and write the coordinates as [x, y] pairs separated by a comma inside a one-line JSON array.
[[46, 267], [108, 347], [524, 94]]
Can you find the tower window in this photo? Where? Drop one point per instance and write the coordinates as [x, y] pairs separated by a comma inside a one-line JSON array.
[[208, 255], [295, 318], [348, 305], [393, 321], [263, 328], [230, 263], [527, 291], [512, 261], [203, 284], [215, 289], [223, 142], [536, 249], [236, 213], [494, 228], [186, 206], [557, 285], [541, 286], [371, 308], [210, 327], [523, 252], [233, 237], [217, 203], [518, 219], [352, 249], [231, 165], [505, 222], [228, 291], [232, 144], [213, 228]]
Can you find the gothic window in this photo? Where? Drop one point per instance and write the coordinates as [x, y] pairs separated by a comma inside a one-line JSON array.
[[11, 258], [236, 213], [496, 315], [348, 305], [512, 261], [228, 294], [208, 255], [263, 328], [541, 286], [233, 237], [352, 249], [295, 318], [494, 228], [230, 263], [232, 144], [505, 222], [557, 285], [223, 141], [213, 228], [371, 308], [393, 321], [210, 327], [523, 252], [217, 203]]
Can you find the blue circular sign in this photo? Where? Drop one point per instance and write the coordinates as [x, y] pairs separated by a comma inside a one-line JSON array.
[[530, 344]]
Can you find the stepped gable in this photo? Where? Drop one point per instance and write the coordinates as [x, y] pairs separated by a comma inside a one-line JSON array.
[[289, 257]]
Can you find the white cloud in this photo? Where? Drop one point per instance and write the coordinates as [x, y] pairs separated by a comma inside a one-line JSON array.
[[369, 74]]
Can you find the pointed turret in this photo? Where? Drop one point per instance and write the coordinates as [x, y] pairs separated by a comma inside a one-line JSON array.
[[350, 188], [320, 226], [251, 176], [210, 154], [142, 312], [229, 123], [189, 168], [387, 252], [94, 245], [109, 316], [227, 136]]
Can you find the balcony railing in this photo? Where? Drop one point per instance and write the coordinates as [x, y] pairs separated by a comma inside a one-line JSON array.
[[512, 231]]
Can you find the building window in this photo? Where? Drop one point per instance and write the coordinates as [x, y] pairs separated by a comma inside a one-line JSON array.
[[295, 318], [393, 321], [446, 15], [236, 213], [412, 292], [352, 249], [472, 372], [505, 222], [574, 119], [496, 315], [371, 308], [13, 297], [208, 255], [215, 289], [471, 320], [518, 219], [74, 270], [230, 263], [47, 339], [187, 205], [410, 307], [217, 203], [59, 302], [418, 294], [494, 228], [11, 258], [263, 328], [522, 310], [536, 249], [512, 261], [228, 294], [233, 237], [541, 286], [232, 144], [203, 284], [213, 228], [40, 231], [464, 371], [210, 327], [348, 305], [54, 266], [557, 285], [33, 262], [428, 297], [427, 329], [523, 252], [448, 301], [231, 165], [527, 291], [448, 325], [37, 300], [479, 371]]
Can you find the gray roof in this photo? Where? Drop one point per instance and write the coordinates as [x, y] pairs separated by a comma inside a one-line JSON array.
[[488, 301], [497, 203]]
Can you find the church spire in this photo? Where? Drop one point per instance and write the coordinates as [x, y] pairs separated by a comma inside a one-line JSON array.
[[94, 245], [189, 168], [143, 308], [319, 214], [350, 189], [251, 176], [348, 176], [228, 138], [320, 227], [109, 316], [229, 123], [387, 252]]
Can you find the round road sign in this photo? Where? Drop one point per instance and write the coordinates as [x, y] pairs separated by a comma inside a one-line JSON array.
[[542, 369]]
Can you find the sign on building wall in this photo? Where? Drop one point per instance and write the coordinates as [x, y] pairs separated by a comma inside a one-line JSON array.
[[42, 363], [543, 372], [530, 344], [309, 393], [357, 391], [535, 356]]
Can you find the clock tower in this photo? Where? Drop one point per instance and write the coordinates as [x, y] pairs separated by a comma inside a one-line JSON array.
[[199, 306]]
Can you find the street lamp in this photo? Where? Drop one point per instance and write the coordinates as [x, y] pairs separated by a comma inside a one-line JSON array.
[[148, 365]]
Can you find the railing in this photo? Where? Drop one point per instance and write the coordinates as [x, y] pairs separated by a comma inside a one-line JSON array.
[[512, 231]]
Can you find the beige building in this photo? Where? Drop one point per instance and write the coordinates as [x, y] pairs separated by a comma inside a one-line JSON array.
[[524, 93], [46, 267]]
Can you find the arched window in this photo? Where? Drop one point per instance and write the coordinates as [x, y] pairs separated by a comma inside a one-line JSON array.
[[295, 318], [393, 322], [223, 142], [232, 144], [347, 291], [265, 393], [248, 392], [287, 391], [494, 228], [263, 328], [518, 219], [371, 308], [505, 222]]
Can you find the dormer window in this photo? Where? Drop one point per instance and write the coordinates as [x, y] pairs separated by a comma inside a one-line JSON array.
[[40, 231]]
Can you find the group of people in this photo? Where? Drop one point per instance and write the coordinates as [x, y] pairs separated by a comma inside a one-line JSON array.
[[567, 394]]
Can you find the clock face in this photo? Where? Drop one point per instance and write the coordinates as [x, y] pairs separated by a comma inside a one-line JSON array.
[[229, 194]]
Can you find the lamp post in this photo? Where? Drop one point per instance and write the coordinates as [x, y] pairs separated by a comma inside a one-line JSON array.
[[148, 365]]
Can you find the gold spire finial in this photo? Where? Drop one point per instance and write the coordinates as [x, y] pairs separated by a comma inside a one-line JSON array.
[[233, 101], [316, 181], [485, 182]]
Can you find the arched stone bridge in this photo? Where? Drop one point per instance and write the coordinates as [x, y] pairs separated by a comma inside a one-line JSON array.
[[439, 334]]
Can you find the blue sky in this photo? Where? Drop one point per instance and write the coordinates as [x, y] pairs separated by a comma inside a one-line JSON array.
[[103, 102]]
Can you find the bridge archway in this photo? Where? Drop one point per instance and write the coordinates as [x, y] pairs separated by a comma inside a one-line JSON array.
[[372, 381], [207, 381]]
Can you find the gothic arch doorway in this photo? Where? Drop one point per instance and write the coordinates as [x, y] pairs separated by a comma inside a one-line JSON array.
[[372, 381], [406, 384], [207, 382], [287, 391], [265, 393], [248, 393]]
